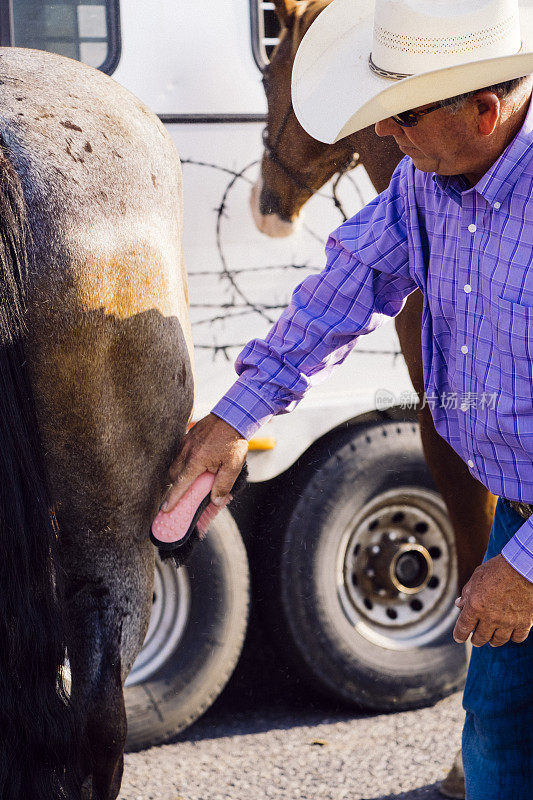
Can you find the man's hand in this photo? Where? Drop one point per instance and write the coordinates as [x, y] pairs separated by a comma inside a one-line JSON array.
[[210, 446], [497, 604]]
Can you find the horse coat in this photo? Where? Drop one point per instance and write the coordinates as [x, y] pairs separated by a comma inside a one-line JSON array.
[[96, 356]]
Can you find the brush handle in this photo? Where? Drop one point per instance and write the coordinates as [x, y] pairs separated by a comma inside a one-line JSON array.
[[175, 527]]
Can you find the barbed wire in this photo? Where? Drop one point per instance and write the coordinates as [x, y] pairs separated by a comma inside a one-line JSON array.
[[224, 348], [239, 304]]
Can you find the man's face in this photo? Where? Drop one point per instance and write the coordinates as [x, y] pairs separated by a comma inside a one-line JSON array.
[[441, 142]]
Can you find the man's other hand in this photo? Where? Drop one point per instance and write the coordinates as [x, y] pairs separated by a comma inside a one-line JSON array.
[[496, 604], [210, 446]]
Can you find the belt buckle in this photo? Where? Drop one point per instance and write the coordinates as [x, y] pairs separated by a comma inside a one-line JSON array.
[[524, 509]]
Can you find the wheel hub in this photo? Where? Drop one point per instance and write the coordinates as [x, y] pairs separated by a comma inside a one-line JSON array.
[[397, 564], [394, 565], [412, 569]]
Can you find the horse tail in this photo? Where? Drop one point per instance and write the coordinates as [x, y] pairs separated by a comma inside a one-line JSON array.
[[38, 736]]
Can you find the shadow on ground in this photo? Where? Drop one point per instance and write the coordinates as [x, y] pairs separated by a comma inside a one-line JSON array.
[[429, 792], [262, 695]]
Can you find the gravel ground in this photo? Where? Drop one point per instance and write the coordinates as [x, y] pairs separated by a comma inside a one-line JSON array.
[[291, 748]]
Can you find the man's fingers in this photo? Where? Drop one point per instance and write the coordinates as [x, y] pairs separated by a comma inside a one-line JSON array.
[[483, 633], [182, 482], [210, 446], [500, 636], [520, 634], [224, 480], [222, 502], [464, 626], [177, 467]]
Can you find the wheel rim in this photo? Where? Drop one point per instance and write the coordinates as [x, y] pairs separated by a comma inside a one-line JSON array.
[[396, 569], [170, 612]]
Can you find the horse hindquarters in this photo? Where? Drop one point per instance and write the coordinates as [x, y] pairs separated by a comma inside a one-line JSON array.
[[112, 425], [37, 727]]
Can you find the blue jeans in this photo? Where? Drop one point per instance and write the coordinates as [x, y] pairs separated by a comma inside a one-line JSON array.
[[498, 700]]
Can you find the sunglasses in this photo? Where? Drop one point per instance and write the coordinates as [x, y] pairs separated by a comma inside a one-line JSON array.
[[408, 119]]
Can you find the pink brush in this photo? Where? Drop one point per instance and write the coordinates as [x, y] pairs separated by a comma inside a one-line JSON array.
[[194, 510]]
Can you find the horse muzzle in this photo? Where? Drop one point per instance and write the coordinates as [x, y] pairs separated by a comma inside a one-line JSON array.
[[266, 211]]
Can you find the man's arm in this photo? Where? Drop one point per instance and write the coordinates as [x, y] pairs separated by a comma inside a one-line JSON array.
[[366, 280]]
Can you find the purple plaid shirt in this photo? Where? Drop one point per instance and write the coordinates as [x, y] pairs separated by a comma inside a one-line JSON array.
[[470, 251]]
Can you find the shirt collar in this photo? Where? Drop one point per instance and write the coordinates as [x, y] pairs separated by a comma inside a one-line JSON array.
[[500, 179], [452, 185]]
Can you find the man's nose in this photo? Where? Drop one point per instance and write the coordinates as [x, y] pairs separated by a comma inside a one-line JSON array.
[[386, 127]]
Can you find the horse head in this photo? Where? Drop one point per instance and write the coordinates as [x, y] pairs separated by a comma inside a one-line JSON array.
[[294, 165]]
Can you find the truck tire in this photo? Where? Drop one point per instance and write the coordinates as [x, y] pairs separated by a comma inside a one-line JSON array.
[[368, 575], [194, 640]]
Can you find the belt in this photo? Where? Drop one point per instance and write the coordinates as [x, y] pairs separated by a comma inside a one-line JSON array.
[[524, 509]]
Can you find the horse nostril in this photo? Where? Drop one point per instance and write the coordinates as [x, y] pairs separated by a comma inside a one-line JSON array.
[[270, 203]]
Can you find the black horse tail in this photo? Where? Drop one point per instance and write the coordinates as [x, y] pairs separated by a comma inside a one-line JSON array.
[[38, 732]]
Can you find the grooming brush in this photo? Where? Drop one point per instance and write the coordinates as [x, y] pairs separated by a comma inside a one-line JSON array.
[[190, 519]]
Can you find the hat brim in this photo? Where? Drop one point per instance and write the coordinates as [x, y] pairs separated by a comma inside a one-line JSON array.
[[335, 93]]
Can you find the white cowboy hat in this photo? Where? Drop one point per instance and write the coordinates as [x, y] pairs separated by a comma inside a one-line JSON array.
[[365, 60]]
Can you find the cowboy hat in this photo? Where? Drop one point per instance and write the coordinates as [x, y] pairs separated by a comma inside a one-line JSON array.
[[364, 60]]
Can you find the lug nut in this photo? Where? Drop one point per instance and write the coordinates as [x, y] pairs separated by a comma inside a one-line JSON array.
[[375, 549], [369, 573]]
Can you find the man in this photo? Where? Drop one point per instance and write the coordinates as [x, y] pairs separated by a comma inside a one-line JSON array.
[[451, 82]]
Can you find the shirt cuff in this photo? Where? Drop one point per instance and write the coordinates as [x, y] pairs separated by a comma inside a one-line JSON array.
[[518, 551], [243, 409]]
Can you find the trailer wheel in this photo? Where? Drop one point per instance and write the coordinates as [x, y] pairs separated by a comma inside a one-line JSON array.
[[194, 640], [368, 575]]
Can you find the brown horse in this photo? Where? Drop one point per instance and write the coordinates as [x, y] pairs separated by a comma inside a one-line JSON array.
[[96, 392], [294, 166]]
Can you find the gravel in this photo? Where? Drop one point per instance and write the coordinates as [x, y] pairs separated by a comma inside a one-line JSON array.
[[293, 748]]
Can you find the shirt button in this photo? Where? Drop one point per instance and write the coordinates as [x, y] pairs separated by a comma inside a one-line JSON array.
[[497, 206], [464, 349], [463, 406], [467, 288], [470, 463], [472, 228]]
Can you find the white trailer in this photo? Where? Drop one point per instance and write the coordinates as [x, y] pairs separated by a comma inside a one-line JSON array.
[[349, 544]]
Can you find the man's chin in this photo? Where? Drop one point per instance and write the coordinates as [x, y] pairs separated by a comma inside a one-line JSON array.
[[421, 163]]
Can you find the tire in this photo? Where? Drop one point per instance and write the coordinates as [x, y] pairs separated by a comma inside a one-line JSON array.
[[372, 627], [194, 640]]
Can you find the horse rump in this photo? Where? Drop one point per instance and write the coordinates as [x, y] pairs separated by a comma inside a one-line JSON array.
[[38, 732]]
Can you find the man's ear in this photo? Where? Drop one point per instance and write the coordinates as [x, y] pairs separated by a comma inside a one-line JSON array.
[[285, 10], [487, 105]]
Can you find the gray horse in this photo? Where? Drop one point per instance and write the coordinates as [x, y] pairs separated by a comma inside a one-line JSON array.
[[95, 394]]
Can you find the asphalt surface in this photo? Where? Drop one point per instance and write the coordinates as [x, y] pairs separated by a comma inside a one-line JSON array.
[[268, 738]]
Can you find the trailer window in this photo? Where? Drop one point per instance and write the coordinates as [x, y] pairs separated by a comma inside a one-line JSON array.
[[87, 30], [265, 31]]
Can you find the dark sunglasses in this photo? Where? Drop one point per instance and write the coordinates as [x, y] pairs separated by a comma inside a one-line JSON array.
[[408, 119]]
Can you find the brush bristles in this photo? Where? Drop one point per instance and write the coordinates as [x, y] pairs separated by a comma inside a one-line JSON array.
[[207, 518]]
